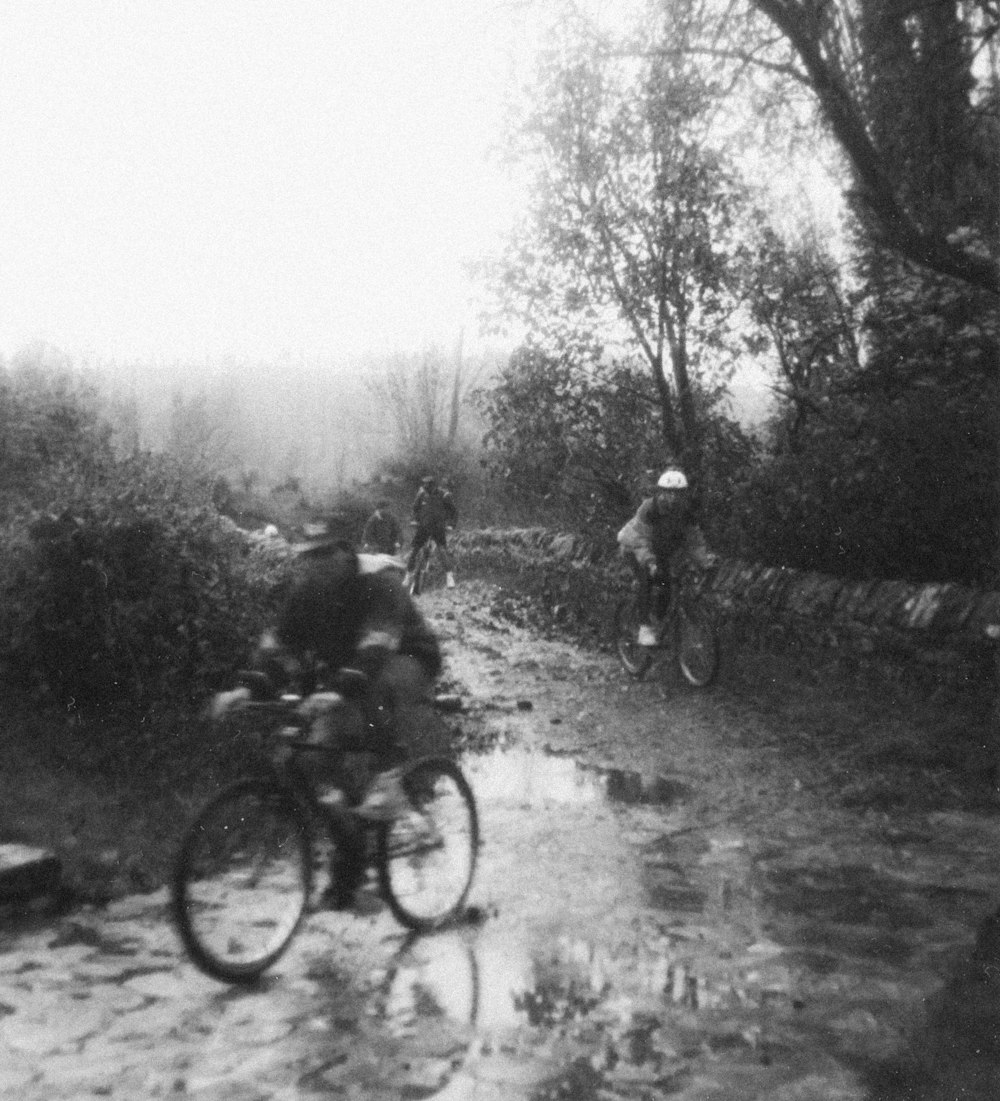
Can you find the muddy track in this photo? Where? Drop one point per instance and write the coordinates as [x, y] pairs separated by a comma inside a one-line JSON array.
[[667, 904]]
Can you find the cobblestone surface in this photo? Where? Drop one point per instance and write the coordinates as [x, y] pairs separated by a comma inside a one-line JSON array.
[[662, 913]]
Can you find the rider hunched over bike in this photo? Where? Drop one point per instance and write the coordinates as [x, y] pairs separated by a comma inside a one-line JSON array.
[[434, 513], [339, 617], [661, 538]]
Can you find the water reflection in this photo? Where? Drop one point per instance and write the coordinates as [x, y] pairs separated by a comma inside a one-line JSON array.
[[432, 978], [532, 777], [489, 989]]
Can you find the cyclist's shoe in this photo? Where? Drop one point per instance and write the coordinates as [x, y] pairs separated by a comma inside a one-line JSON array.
[[450, 580], [647, 635], [385, 800]]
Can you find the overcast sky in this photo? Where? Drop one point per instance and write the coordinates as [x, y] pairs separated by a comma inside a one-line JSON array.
[[186, 179]]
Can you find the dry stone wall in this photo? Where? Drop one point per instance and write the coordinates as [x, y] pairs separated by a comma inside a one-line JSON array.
[[942, 630]]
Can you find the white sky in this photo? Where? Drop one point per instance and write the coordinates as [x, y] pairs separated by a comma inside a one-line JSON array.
[[185, 179]]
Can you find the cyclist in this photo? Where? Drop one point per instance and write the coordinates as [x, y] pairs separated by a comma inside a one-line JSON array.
[[433, 512], [659, 538], [382, 534], [343, 618]]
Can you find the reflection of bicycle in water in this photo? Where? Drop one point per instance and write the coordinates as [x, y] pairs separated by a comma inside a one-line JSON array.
[[412, 1032], [244, 875], [683, 625], [434, 978]]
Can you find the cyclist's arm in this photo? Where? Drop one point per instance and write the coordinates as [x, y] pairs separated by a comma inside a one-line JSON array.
[[636, 538]]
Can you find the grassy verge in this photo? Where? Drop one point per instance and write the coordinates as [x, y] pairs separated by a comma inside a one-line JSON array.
[[110, 797]]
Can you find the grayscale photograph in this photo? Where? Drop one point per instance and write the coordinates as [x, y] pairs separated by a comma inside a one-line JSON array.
[[500, 550]]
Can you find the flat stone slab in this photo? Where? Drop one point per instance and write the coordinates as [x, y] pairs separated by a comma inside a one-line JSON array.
[[27, 872]]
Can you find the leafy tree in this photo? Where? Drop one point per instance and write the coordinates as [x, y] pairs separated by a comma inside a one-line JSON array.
[[119, 581], [50, 423], [427, 396], [199, 435], [633, 225], [846, 52], [583, 447], [807, 320]]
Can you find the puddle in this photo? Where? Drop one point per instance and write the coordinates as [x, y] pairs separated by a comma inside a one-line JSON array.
[[431, 979], [528, 777], [848, 894], [496, 984]]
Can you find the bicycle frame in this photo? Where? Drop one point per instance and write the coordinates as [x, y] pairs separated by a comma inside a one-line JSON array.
[[425, 556]]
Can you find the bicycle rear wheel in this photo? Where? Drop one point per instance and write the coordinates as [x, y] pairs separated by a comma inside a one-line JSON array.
[[419, 570], [242, 880], [697, 645], [635, 659], [427, 858], [433, 575]]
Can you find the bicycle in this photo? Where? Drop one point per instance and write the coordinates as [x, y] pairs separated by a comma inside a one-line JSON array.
[[428, 568], [683, 627], [244, 874]]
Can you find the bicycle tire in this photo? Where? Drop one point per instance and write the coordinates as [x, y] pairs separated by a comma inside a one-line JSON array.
[[433, 575], [242, 879], [635, 659], [427, 858], [697, 646], [419, 569]]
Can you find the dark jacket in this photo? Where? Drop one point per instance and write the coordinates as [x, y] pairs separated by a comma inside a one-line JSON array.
[[434, 508], [654, 536], [382, 532], [333, 613]]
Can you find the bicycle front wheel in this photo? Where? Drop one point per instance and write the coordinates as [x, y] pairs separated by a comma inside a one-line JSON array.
[[635, 659], [243, 879], [697, 646], [427, 857]]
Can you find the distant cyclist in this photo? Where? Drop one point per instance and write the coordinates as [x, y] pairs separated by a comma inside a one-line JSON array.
[[659, 538], [382, 533], [433, 512]]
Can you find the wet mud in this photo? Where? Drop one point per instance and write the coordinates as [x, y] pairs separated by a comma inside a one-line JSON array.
[[659, 911]]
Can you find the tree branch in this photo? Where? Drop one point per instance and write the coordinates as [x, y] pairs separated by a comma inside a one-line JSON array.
[[899, 229]]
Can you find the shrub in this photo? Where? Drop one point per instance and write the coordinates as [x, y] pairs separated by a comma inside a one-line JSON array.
[[130, 588]]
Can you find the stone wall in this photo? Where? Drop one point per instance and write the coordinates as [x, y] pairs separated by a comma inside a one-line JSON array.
[[940, 630]]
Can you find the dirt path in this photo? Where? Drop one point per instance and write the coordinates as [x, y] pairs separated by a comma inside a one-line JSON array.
[[669, 908]]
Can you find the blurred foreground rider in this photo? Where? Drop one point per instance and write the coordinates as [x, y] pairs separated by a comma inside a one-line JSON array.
[[660, 538], [382, 533], [339, 617], [434, 512]]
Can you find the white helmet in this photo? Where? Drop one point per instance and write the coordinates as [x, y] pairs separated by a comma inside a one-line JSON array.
[[672, 479]]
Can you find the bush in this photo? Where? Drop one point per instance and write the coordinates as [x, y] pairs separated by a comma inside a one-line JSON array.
[[904, 489], [131, 590]]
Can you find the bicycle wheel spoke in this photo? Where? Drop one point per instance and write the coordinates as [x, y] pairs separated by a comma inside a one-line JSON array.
[[428, 856], [242, 881]]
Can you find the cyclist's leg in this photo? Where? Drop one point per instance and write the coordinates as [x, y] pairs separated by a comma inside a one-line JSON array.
[[416, 730], [339, 725], [643, 589], [441, 538], [420, 536], [441, 535]]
